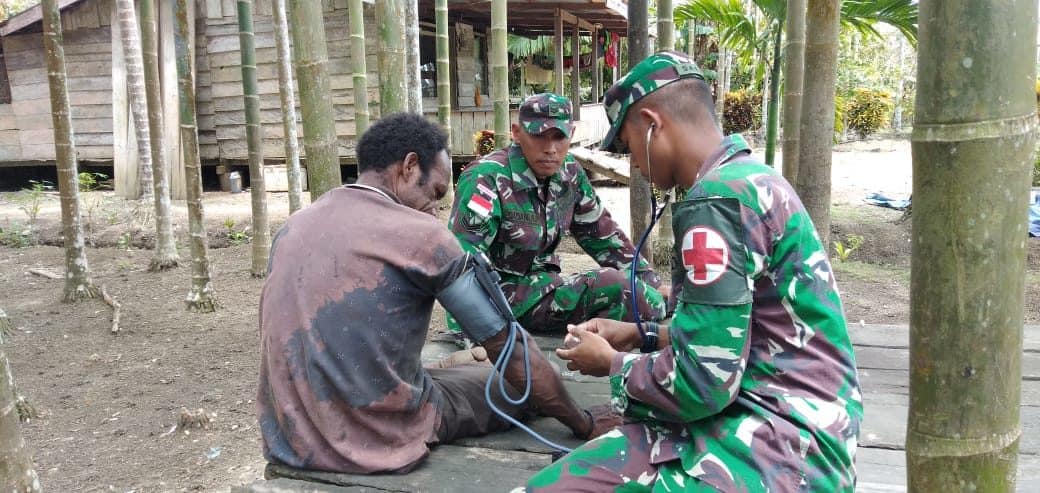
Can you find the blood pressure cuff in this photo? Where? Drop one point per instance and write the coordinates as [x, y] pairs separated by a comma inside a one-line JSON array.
[[476, 301]]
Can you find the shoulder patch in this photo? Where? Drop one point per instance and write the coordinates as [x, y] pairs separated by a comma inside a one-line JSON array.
[[709, 245]]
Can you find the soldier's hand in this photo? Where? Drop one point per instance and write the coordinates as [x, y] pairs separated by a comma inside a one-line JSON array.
[[592, 355], [622, 336]]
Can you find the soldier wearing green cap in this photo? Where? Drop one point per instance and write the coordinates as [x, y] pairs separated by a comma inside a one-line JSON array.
[[516, 204], [753, 386]]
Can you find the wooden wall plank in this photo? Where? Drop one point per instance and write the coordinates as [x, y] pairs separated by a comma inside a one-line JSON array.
[[125, 159]]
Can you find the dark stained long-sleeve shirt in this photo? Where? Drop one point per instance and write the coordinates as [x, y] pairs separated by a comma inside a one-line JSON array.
[[343, 318]]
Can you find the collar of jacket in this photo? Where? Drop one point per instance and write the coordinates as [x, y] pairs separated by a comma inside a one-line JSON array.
[[731, 145]]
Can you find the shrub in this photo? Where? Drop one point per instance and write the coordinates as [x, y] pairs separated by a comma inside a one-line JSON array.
[[89, 181], [839, 118], [867, 110], [743, 111], [1036, 170], [1036, 164]]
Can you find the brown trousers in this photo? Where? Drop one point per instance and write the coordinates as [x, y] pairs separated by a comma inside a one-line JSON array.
[[463, 409]]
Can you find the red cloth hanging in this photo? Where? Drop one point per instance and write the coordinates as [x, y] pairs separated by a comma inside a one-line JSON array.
[[611, 56]]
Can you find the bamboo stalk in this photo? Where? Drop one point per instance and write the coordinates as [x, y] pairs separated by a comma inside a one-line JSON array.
[[359, 65], [319, 125], [201, 296], [288, 99], [165, 256], [261, 241], [393, 86], [500, 73], [974, 105]]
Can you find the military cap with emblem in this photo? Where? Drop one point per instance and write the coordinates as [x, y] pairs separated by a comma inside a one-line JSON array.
[[546, 111], [651, 74]]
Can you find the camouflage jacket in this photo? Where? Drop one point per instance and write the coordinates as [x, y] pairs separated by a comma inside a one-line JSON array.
[[500, 209], [343, 317], [760, 353]]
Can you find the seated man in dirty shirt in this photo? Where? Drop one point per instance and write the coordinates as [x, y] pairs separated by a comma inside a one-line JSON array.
[[344, 314], [516, 204]]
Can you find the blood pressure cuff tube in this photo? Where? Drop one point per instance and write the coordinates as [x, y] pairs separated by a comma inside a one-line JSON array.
[[476, 301]]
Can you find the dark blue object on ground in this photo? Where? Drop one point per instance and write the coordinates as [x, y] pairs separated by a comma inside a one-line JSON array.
[[883, 201]]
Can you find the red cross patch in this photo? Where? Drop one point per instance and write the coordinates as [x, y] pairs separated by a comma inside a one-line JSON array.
[[705, 254]]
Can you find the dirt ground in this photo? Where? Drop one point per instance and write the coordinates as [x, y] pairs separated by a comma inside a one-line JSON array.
[[110, 401]]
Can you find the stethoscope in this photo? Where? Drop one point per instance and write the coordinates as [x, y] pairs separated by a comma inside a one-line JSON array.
[[506, 354], [656, 213]]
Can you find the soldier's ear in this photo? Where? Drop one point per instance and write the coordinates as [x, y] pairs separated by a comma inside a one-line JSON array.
[[651, 118]]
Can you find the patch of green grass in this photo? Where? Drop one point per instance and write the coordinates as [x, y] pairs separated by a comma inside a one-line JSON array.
[[870, 272]]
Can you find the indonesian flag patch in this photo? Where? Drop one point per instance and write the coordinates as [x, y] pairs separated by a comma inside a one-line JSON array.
[[480, 203], [705, 254]]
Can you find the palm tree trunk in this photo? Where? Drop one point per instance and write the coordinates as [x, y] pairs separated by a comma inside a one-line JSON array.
[[135, 90], [500, 73], [77, 278], [393, 87], [165, 256], [773, 118], [897, 115], [200, 297], [358, 64], [312, 74], [722, 85], [254, 140], [288, 99], [444, 82], [16, 469], [817, 126], [974, 105], [794, 72], [411, 42], [638, 188], [664, 239]]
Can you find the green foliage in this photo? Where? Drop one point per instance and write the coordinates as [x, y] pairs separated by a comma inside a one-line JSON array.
[[126, 241], [10, 8], [743, 111], [89, 181], [30, 200], [17, 236], [844, 250], [839, 118], [1036, 170], [867, 110], [235, 237]]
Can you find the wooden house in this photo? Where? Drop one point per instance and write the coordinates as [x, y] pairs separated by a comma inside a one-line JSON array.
[[103, 126]]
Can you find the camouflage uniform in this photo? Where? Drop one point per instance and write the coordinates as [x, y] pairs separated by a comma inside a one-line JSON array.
[[503, 210], [343, 317], [758, 389]]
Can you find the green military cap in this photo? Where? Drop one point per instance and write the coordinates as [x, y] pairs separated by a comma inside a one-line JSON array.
[[651, 74], [543, 111]]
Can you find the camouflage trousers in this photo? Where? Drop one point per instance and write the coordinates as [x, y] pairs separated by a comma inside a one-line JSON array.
[[602, 293], [735, 451]]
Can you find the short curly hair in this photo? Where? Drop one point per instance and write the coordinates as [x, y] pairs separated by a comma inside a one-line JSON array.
[[391, 138]]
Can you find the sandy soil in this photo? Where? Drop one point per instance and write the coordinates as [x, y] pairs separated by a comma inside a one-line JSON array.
[[109, 400]]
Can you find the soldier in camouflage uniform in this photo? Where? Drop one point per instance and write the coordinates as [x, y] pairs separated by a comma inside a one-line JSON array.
[[344, 313], [515, 205], [753, 386]]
